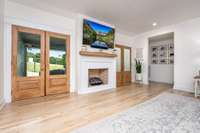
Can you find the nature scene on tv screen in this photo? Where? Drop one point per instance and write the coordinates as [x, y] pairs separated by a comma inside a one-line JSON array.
[[97, 35]]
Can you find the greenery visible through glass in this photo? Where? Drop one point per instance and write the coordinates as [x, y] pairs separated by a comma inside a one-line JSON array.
[[57, 54], [28, 55]]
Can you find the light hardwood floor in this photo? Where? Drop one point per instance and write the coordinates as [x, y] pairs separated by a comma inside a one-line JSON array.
[[63, 113]]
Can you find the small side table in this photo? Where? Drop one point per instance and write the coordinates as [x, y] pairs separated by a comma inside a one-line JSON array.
[[196, 85]]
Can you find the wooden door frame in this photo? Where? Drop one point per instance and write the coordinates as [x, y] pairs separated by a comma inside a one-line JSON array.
[[122, 47], [67, 75], [122, 54], [129, 73], [14, 77]]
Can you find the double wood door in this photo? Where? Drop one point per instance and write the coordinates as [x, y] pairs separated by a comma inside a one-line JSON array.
[[123, 65], [40, 63]]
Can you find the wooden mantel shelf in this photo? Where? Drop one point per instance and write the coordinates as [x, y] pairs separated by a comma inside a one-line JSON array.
[[97, 54]]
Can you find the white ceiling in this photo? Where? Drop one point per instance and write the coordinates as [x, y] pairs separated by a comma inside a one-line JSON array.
[[130, 16]]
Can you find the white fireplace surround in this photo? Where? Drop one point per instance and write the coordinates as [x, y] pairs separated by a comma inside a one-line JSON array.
[[96, 63]]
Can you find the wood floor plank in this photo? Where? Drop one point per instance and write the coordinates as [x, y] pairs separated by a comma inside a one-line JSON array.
[[65, 112]]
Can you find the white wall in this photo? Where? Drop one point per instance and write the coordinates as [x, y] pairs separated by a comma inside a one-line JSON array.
[[163, 73], [18, 14], [187, 54], [25, 16], [1, 50], [186, 48], [122, 39]]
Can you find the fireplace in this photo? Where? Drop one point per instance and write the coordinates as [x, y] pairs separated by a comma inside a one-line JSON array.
[[97, 68], [97, 77]]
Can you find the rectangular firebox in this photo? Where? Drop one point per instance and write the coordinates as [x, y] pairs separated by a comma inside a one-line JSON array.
[[97, 77]]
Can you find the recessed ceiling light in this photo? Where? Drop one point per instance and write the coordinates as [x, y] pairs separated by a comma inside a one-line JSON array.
[[154, 24]]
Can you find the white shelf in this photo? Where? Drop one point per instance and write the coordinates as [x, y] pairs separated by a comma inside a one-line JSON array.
[[162, 54]]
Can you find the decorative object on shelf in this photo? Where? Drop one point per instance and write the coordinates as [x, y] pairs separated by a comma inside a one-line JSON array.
[[138, 67], [162, 54], [154, 49], [114, 51]]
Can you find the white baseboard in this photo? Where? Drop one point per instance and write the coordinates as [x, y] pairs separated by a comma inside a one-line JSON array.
[[2, 103], [183, 88], [164, 82]]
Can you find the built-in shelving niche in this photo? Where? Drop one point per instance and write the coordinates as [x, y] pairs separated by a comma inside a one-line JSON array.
[[162, 54]]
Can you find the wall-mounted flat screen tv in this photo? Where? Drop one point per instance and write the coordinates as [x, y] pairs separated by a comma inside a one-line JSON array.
[[97, 35]]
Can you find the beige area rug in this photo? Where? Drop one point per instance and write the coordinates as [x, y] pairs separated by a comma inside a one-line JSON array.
[[166, 113]]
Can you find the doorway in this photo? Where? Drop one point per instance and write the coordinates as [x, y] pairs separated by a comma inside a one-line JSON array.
[[40, 63], [123, 65], [161, 58]]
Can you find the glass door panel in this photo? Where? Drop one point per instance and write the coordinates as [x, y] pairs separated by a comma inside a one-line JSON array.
[[118, 52], [57, 55], [127, 59], [28, 54]]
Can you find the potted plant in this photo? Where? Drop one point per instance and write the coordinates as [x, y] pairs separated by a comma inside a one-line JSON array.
[[138, 67]]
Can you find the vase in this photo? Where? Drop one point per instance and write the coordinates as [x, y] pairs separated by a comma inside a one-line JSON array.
[[139, 76]]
